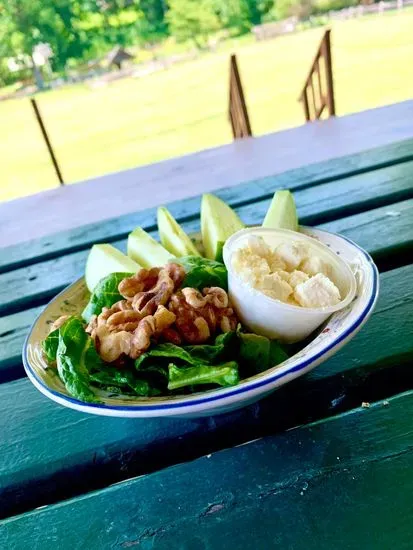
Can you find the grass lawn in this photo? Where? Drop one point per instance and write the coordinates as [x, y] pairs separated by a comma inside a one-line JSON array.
[[142, 120]]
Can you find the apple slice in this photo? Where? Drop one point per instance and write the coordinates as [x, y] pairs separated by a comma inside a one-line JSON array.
[[173, 237], [104, 259], [282, 213], [218, 223], [142, 248]]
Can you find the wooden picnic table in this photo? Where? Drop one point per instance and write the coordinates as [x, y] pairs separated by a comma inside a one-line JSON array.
[[308, 467]]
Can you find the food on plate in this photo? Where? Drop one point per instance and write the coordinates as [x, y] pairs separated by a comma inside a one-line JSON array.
[[145, 250], [290, 273], [160, 321], [282, 213], [218, 222], [173, 237], [147, 334], [104, 259]]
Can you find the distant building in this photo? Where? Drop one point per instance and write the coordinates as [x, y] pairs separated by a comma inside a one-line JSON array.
[[117, 56]]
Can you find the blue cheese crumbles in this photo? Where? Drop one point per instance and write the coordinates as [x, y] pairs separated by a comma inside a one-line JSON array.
[[290, 273]]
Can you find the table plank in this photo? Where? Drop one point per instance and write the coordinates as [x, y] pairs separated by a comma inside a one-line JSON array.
[[71, 452], [79, 238], [344, 495], [13, 331], [36, 284], [175, 179]]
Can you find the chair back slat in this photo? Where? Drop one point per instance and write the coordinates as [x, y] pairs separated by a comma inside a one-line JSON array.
[[237, 110], [324, 99]]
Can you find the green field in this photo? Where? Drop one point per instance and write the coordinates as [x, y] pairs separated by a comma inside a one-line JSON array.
[[137, 121]]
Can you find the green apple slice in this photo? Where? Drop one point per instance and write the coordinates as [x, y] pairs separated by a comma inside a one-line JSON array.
[[282, 213], [218, 223], [105, 259], [173, 237], [142, 248]]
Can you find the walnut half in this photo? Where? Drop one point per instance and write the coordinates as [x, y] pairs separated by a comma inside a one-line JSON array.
[[200, 315]]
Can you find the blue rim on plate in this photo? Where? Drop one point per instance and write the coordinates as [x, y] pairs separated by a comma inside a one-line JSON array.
[[223, 393]]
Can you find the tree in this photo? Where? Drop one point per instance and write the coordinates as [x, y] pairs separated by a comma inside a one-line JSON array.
[[257, 9], [287, 8], [192, 20], [25, 23]]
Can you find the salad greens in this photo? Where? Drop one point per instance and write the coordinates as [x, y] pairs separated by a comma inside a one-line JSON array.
[[75, 356], [258, 353], [50, 344], [201, 272], [105, 294], [164, 368], [121, 381], [223, 375]]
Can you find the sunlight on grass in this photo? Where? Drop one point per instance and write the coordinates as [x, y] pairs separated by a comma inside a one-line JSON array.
[[137, 121]]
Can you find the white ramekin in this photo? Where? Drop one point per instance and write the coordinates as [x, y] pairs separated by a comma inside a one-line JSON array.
[[270, 317]]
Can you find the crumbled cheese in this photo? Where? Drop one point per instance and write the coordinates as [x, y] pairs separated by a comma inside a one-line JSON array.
[[292, 254], [250, 266], [285, 276], [318, 291], [297, 277], [276, 263], [314, 265], [258, 246], [275, 287], [288, 274]]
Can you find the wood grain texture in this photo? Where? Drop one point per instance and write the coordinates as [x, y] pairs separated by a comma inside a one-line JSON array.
[[78, 238], [344, 483], [30, 286], [13, 331], [71, 452], [132, 190]]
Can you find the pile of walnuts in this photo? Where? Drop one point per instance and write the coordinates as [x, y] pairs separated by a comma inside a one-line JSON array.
[[154, 309]]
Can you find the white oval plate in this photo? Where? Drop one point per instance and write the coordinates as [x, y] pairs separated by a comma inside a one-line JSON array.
[[338, 330]]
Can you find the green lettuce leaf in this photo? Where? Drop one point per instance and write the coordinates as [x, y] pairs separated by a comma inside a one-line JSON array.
[[124, 380], [225, 374], [277, 354], [105, 295], [258, 353], [166, 351], [201, 272], [50, 344], [225, 345], [76, 355]]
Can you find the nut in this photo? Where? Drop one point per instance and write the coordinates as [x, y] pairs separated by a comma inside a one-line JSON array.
[[216, 296], [194, 298], [124, 320], [111, 345], [192, 319], [148, 328], [143, 280]]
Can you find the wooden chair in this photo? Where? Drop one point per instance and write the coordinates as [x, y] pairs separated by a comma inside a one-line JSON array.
[[237, 109], [319, 83]]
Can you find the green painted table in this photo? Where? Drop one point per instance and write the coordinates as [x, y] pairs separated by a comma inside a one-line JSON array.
[[307, 467]]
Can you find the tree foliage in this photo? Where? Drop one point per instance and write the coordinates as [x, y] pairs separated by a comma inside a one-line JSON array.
[[79, 30], [25, 23], [192, 20]]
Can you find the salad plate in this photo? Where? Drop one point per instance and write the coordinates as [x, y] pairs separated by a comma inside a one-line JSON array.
[[327, 340]]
